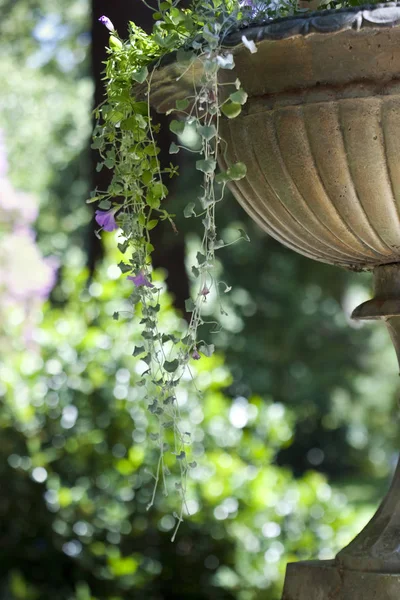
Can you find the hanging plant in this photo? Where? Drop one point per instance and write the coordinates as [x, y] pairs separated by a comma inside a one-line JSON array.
[[126, 138]]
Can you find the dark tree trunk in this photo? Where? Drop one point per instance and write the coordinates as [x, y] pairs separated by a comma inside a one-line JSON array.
[[168, 255]]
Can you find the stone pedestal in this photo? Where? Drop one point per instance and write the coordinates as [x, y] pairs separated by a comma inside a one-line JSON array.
[[369, 567], [325, 580]]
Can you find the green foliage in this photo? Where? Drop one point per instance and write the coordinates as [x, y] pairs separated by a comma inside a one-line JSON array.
[[77, 444], [125, 137], [45, 105]]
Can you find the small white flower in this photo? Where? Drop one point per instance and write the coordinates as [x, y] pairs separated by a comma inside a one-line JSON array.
[[226, 62], [250, 45]]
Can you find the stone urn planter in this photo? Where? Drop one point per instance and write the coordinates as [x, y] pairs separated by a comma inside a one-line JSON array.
[[320, 136]]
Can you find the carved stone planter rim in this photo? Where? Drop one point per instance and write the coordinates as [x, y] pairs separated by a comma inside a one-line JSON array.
[[321, 21]]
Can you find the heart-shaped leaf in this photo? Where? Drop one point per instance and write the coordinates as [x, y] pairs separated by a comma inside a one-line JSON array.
[[231, 109], [171, 365]]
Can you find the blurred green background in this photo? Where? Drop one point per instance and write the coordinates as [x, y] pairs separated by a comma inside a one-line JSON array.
[[294, 433]]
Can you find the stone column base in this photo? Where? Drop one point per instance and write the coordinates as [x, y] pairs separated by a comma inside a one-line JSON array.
[[323, 580]]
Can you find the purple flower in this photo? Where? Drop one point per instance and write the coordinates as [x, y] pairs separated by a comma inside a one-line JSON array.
[[106, 219], [205, 291], [140, 279], [106, 21], [195, 354], [253, 8]]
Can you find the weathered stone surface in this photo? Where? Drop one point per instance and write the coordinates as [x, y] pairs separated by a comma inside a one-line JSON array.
[[323, 580], [320, 136], [369, 567]]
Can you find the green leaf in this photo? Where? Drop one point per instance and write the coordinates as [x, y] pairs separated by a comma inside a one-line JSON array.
[[141, 75], [244, 235], [152, 201], [151, 150], [147, 359], [166, 337], [115, 43], [151, 224], [237, 171], [97, 143], [159, 190], [188, 211], [141, 122], [187, 340], [124, 268], [231, 109], [136, 124], [155, 408], [182, 104], [123, 247], [207, 131], [135, 296], [177, 127], [153, 309], [210, 37], [169, 400], [207, 349], [171, 365], [201, 258], [138, 351], [184, 57], [239, 97], [207, 165], [173, 149], [128, 124], [140, 108], [148, 335], [189, 305], [176, 15], [222, 177], [155, 193], [105, 204], [147, 177]]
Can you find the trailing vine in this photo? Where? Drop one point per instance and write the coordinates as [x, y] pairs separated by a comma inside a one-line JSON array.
[[126, 139]]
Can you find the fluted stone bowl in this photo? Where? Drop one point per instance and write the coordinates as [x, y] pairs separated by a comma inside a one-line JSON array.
[[320, 132]]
